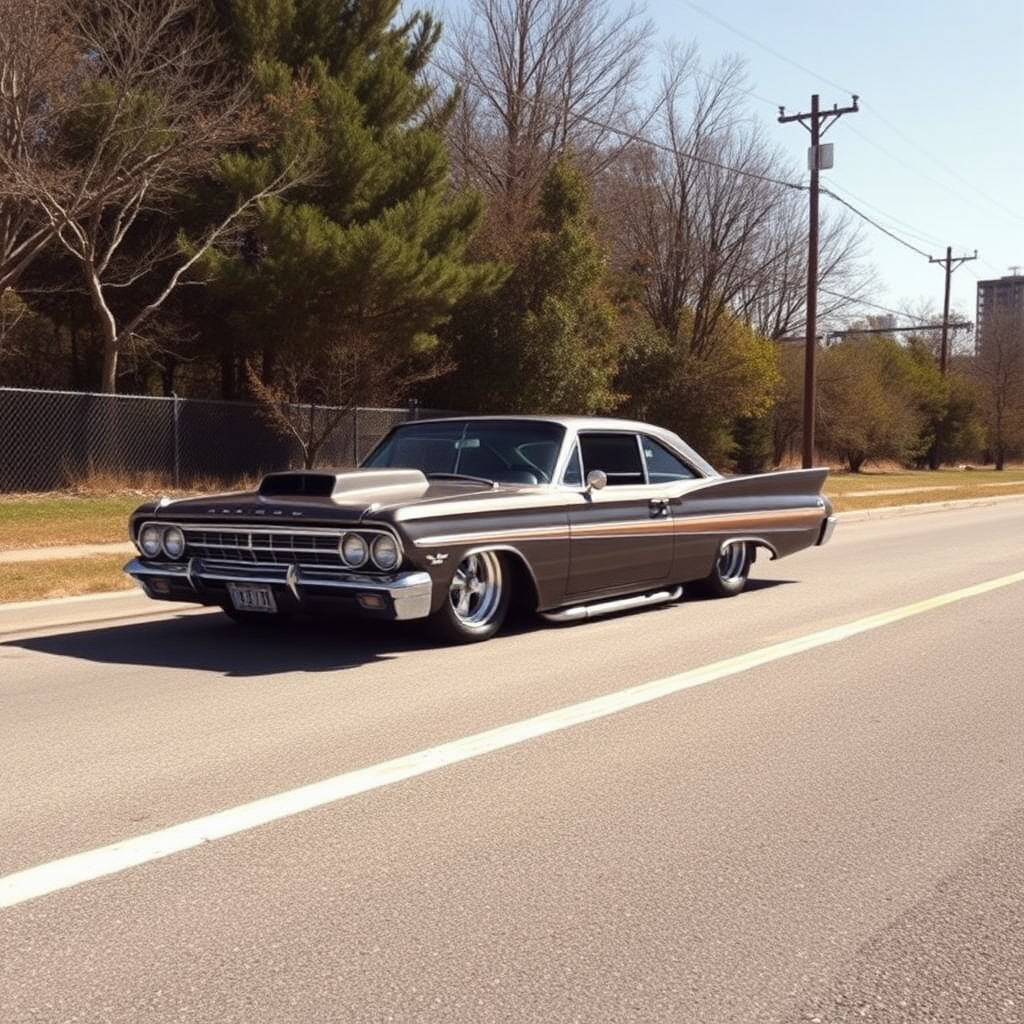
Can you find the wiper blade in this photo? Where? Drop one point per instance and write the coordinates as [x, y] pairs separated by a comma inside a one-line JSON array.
[[462, 476]]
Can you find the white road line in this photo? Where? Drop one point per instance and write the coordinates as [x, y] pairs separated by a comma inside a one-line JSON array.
[[108, 860]]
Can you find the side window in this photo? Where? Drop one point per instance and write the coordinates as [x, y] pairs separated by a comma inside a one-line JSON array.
[[663, 466], [573, 475], [618, 455]]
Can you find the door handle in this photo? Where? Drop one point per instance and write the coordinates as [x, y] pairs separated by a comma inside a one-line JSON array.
[[658, 506]]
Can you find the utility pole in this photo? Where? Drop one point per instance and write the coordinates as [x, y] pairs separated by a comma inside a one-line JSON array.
[[817, 122], [950, 265]]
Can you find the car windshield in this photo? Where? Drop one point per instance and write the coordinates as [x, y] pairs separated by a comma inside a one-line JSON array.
[[509, 451]]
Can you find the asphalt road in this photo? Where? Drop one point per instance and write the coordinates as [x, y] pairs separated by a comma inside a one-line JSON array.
[[802, 804]]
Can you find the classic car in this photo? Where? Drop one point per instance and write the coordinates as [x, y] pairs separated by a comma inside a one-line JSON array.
[[453, 520]]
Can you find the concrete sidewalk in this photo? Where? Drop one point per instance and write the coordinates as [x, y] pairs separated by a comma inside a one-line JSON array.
[[23, 616], [66, 551], [61, 612]]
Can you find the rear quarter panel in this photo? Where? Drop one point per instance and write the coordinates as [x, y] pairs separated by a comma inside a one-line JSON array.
[[782, 511]]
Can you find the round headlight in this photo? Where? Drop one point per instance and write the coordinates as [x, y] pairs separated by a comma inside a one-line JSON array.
[[149, 540], [354, 550], [174, 542], [385, 552]]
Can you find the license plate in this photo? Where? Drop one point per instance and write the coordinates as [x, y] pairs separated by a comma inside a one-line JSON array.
[[252, 597]]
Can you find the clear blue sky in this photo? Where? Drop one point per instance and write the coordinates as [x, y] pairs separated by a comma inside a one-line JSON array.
[[936, 152]]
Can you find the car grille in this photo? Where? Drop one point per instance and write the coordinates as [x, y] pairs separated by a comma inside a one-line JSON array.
[[265, 547]]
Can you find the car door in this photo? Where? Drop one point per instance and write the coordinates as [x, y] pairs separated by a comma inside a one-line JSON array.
[[620, 536], [695, 546]]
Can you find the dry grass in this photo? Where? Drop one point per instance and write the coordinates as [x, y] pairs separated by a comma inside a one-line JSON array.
[[93, 512], [31, 581], [47, 520], [853, 491], [99, 484]]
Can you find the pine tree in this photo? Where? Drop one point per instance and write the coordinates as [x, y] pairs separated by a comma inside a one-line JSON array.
[[348, 276], [545, 341]]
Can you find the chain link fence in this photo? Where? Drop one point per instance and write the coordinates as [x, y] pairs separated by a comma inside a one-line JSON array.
[[55, 440]]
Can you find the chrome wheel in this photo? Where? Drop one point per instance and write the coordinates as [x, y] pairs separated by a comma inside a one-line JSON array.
[[477, 600], [729, 576], [476, 589], [734, 562]]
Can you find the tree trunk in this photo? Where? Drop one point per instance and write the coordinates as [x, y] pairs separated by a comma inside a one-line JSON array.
[[108, 326], [170, 367]]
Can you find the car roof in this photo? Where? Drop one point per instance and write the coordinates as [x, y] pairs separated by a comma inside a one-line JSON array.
[[574, 424]]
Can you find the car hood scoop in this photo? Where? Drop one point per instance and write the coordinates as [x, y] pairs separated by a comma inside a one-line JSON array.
[[371, 484]]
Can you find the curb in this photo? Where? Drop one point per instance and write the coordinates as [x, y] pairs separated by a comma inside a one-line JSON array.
[[924, 508], [28, 616]]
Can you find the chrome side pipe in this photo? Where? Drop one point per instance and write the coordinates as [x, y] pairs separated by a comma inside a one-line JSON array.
[[620, 604]]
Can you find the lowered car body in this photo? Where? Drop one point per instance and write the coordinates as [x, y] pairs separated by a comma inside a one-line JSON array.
[[452, 520]]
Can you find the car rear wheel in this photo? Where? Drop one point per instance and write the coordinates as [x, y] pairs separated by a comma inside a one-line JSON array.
[[477, 600], [730, 574]]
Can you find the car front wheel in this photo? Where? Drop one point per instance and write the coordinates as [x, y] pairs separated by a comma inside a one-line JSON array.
[[477, 600], [730, 574]]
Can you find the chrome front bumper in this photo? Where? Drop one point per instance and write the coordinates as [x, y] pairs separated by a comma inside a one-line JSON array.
[[404, 595]]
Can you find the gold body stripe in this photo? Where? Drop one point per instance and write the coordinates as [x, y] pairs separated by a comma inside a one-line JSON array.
[[741, 521]]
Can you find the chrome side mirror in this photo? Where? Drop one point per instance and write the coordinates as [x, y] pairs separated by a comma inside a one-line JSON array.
[[597, 480]]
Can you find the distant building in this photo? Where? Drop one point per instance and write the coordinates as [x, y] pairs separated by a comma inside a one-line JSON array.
[[1001, 299]]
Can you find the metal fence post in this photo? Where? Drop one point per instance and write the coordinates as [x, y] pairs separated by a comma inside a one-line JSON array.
[[176, 439]]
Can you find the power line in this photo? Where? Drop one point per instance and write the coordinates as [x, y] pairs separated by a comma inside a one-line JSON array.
[[882, 149], [664, 148], [677, 153], [910, 229], [866, 106], [635, 137], [874, 223], [874, 305], [959, 177], [765, 47], [922, 174], [735, 88]]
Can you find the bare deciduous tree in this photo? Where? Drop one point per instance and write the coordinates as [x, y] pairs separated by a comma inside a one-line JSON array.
[[699, 204], [315, 392], [158, 106], [711, 221], [998, 370], [536, 77], [39, 72], [775, 298]]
